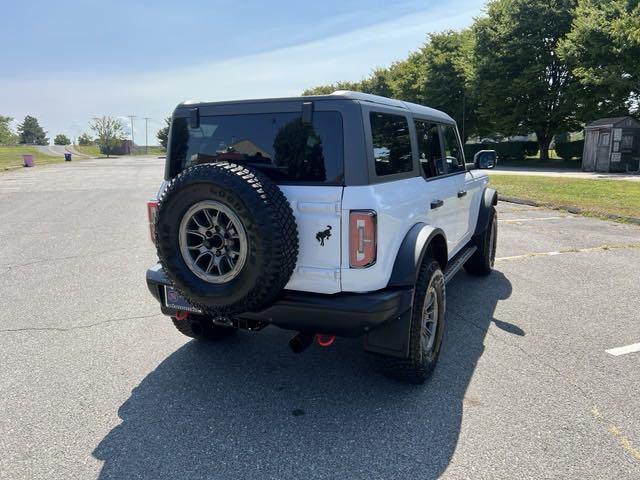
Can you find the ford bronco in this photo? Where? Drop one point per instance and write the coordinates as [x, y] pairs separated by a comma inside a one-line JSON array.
[[335, 215]]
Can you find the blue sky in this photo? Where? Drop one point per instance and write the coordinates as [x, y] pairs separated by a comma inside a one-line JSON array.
[[70, 60]]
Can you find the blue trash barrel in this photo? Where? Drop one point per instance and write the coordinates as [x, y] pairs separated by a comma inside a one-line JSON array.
[[67, 157]]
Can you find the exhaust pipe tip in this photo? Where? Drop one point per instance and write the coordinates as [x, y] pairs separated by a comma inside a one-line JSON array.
[[300, 342]]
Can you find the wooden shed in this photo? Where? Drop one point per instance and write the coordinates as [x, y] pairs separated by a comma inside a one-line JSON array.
[[612, 145]]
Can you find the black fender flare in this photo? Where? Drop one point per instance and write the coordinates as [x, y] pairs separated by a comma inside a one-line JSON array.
[[392, 338], [411, 253], [488, 200]]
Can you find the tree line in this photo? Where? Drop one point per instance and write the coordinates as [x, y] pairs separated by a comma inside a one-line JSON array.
[[525, 66], [29, 132], [108, 133]]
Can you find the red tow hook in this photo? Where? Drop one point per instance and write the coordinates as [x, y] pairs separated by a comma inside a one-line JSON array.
[[325, 340], [181, 315]]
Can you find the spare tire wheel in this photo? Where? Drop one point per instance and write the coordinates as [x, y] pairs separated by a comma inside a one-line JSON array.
[[226, 237]]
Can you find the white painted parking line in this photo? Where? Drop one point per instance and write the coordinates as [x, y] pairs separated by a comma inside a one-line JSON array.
[[518, 220], [616, 352], [602, 248]]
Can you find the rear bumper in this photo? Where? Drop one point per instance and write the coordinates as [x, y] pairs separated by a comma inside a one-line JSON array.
[[343, 314]]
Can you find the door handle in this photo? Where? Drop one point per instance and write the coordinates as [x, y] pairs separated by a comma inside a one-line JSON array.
[[462, 193], [436, 204]]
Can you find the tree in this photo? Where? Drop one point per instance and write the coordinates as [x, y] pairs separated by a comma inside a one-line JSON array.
[[61, 139], [84, 139], [440, 75], [407, 77], [448, 77], [602, 49], [378, 83], [109, 133], [163, 133], [31, 132], [7, 136], [332, 87], [523, 85]]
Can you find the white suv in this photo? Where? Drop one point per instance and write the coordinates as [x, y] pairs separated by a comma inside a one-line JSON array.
[[336, 215]]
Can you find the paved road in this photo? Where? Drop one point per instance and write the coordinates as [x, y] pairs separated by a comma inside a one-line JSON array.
[[95, 384], [60, 150], [550, 172]]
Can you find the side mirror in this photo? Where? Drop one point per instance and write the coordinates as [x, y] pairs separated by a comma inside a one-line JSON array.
[[485, 159]]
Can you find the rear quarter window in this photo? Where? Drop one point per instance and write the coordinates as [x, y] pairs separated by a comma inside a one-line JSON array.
[[391, 143], [279, 145]]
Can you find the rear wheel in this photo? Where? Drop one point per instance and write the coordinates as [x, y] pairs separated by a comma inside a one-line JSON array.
[[481, 263], [427, 327], [202, 328]]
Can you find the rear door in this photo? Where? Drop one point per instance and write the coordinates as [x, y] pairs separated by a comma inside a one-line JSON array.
[[303, 156], [440, 187]]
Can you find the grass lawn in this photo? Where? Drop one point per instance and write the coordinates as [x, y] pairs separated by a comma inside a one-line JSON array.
[[12, 156], [155, 150], [596, 197], [92, 150]]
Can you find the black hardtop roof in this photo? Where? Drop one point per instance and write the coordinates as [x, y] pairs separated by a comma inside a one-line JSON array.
[[414, 108]]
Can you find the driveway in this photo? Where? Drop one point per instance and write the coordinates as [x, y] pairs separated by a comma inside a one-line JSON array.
[[95, 383], [60, 150]]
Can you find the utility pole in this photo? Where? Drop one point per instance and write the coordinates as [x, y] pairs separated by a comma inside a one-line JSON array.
[[146, 135], [133, 143]]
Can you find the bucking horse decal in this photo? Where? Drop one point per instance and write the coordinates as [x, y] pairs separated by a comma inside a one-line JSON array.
[[323, 235]]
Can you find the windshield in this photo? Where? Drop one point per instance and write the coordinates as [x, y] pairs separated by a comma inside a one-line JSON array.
[[278, 144]]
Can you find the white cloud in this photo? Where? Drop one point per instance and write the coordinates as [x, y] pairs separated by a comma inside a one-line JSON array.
[[66, 103]]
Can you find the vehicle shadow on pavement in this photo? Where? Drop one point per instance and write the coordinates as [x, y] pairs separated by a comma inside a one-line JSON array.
[[248, 408]]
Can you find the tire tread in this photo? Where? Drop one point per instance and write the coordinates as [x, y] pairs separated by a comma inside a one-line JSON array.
[[280, 240]]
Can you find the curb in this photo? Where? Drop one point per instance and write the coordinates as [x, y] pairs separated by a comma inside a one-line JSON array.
[[12, 167], [570, 209]]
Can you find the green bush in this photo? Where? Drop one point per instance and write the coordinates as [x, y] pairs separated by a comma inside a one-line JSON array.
[[511, 150], [470, 149], [569, 150], [505, 150], [531, 148]]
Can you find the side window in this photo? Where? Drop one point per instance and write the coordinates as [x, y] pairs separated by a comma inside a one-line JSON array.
[[454, 157], [627, 143], [429, 149], [391, 143]]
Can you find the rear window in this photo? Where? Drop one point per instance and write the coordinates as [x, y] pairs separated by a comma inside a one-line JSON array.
[[278, 144]]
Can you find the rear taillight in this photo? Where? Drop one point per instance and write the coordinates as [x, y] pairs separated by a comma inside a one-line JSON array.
[[362, 238], [152, 211]]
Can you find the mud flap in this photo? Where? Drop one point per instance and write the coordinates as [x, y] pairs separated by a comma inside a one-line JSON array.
[[392, 338]]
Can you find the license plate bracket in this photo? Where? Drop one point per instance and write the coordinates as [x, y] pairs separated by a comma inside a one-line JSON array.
[[174, 300]]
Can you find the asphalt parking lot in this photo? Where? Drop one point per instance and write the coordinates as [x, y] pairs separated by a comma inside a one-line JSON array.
[[94, 383]]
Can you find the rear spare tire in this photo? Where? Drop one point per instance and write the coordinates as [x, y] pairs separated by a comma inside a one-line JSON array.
[[226, 237]]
